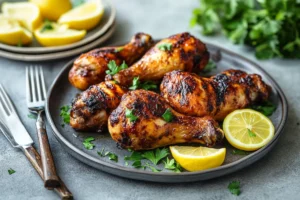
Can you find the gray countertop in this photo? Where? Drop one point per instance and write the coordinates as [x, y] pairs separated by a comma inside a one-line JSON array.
[[276, 176]]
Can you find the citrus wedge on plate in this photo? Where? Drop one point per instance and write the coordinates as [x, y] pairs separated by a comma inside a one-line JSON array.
[[53, 9], [12, 33], [56, 35], [198, 158], [248, 129], [28, 14], [85, 16]]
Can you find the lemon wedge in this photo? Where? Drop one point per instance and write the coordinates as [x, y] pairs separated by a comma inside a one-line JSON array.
[[85, 16], [12, 33], [248, 129], [198, 158], [53, 9], [28, 14], [52, 34]]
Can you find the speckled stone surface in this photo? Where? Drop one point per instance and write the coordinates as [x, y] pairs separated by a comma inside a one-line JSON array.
[[276, 176]]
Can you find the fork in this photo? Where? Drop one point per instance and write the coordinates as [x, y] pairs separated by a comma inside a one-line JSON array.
[[36, 95]]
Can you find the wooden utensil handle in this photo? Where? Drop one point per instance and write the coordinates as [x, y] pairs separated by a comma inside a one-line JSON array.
[[50, 177], [35, 159]]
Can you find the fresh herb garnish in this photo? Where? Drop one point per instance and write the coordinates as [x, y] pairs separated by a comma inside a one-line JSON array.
[[77, 3], [31, 116], [234, 188], [111, 156], [147, 85], [11, 171], [172, 165], [209, 67], [87, 143], [267, 108], [156, 155], [165, 46], [47, 26], [239, 152], [129, 114], [113, 68], [101, 153], [250, 133], [65, 113], [153, 169], [119, 49], [167, 116], [271, 27]]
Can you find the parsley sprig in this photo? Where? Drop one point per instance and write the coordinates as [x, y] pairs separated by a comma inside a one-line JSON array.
[[147, 85], [234, 188], [168, 115], [209, 67], [47, 26], [11, 171], [65, 114], [165, 46], [129, 114], [87, 143], [267, 108], [251, 133], [113, 68]]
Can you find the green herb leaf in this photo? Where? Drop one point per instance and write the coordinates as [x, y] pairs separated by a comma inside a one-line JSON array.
[[87, 143], [239, 152], [172, 165], [153, 169], [250, 133], [112, 156], [135, 156], [147, 85], [168, 116], [119, 49], [135, 83], [113, 68], [47, 26], [101, 153], [267, 108], [165, 46], [234, 188], [11, 171], [209, 67], [155, 156], [32, 116], [65, 114], [129, 114]]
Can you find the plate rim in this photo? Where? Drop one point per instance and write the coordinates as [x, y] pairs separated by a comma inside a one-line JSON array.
[[44, 50], [237, 164]]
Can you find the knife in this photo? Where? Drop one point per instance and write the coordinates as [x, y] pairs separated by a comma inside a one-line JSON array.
[[13, 129]]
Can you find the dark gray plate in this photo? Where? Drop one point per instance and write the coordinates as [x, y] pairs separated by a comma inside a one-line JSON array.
[[61, 93]]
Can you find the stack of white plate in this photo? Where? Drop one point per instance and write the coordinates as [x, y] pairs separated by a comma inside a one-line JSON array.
[[93, 39]]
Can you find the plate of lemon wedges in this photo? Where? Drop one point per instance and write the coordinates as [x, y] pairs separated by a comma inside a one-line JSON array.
[[37, 30]]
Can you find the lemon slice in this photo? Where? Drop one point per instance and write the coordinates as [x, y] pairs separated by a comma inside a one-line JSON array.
[[57, 35], [247, 129], [198, 158], [28, 14], [53, 9], [85, 16], [12, 33]]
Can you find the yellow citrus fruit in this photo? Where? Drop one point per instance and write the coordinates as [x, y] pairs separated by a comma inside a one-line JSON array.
[[28, 14], [12, 33], [85, 16], [53, 9], [248, 129], [57, 34], [198, 158]]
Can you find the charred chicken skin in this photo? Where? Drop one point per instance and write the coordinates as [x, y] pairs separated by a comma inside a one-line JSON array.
[[150, 130], [216, 96], [178, 52], [89, 68], [90, 110]]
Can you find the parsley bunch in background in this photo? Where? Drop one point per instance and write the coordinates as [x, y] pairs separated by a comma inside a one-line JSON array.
[[272, 27]]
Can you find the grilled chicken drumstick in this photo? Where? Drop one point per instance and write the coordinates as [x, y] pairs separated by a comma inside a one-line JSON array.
[[178, 52], [217, 96], [150, 130], [90, 110], [89, 68]]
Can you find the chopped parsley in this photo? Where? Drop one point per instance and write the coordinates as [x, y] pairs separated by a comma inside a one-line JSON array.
[[47, 26], [87, 143], [147, 85], [165, 46], [172, 165], [153, 169], [101, 153], [119, 49], [234, 188], [209, 67], [267, 108], [113, 68], [251, 133], [111, 156], [65, 114], [155, 156], [239, 152], [31, 116], [167, 116], [11, 171], [129, 114]]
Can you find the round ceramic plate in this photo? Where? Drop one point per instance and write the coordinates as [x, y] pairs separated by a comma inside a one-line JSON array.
[[35, 48], [61, 93], [60, 55]]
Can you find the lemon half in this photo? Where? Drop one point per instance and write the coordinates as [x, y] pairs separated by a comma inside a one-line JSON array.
[[198, 158], [248, 129], [85, 16]]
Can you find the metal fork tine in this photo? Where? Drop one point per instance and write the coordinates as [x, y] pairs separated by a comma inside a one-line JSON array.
[[5, 99], [28, 92], [43, 83], [37, 80], [32, 84]]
